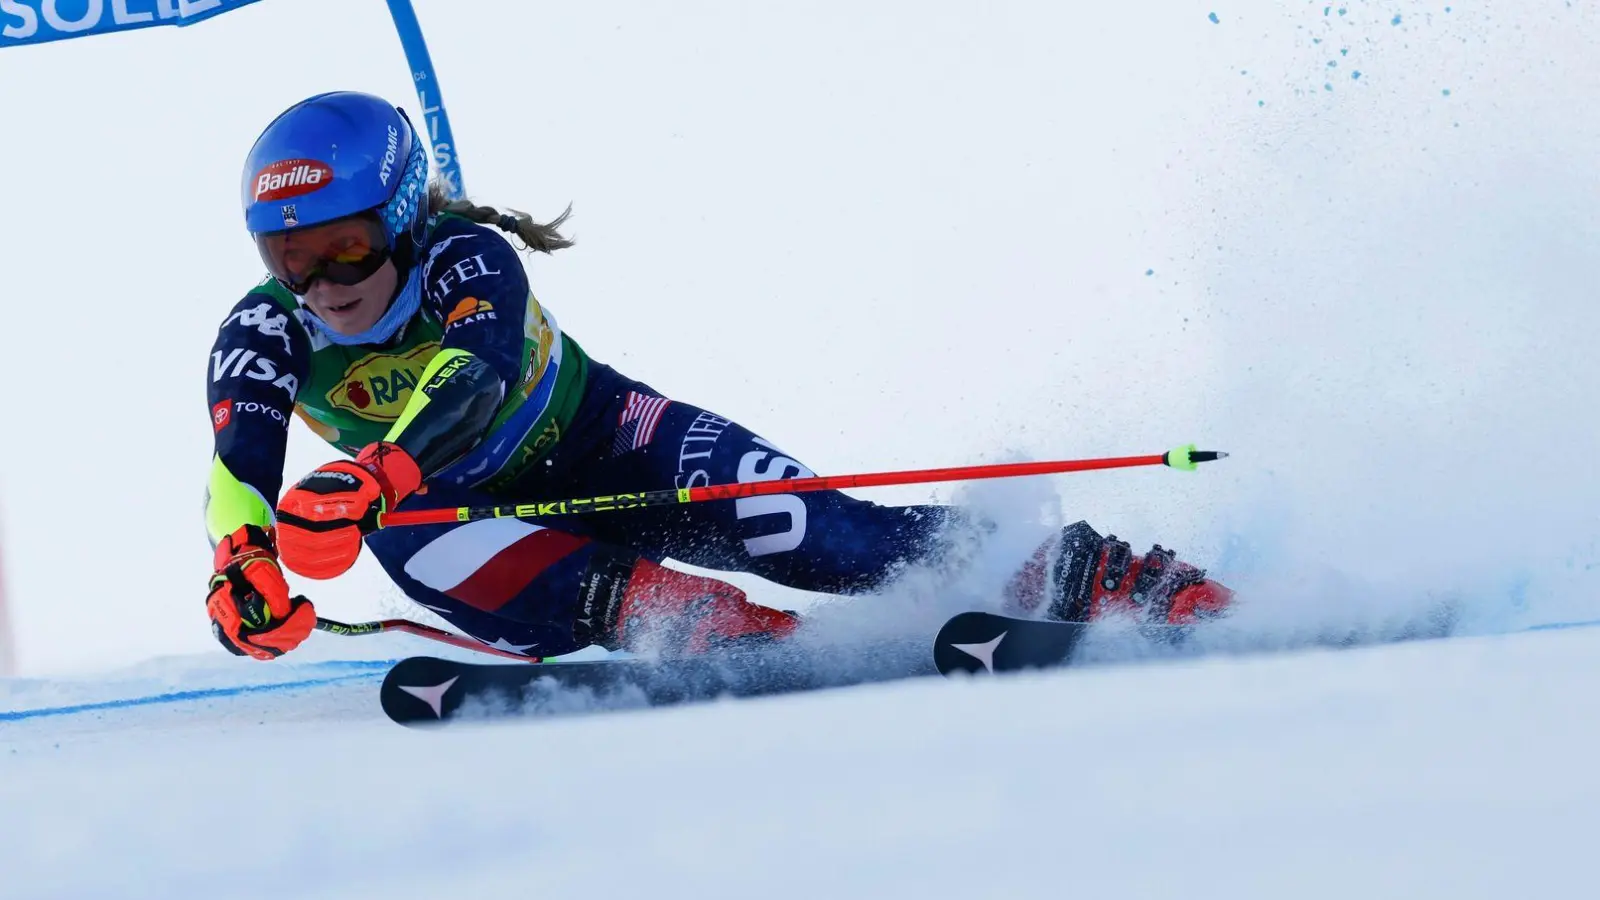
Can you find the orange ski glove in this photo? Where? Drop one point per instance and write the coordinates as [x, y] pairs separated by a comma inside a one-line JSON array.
[[322, 519], [251, 611]]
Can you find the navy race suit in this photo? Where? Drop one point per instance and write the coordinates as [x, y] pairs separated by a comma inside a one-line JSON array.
[[560, 425]]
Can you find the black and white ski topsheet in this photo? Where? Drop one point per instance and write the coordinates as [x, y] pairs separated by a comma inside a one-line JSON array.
[[424, 690], [980, 642]]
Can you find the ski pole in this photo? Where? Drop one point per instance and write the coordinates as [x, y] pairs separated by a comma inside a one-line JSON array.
[[1184, 458], [356, 629]]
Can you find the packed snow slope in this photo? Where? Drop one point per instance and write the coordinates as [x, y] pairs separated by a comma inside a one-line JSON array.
[[1352, 245], [1461, 768]]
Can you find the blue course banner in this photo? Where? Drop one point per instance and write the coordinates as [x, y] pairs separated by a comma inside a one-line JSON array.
[[39, 21]]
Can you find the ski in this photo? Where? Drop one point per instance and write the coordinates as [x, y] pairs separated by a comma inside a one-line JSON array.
[[987, 643], [980, 642], [423, 690]]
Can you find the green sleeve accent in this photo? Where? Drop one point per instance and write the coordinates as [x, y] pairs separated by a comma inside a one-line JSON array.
[[444, 364], [230, 503]]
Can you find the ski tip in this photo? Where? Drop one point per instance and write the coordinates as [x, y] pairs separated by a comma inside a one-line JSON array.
[[1186, 458]]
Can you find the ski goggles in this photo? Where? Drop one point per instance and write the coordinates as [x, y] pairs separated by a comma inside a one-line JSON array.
[[345, 251]]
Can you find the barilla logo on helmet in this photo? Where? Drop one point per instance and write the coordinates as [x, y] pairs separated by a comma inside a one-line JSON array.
[[291, 178]]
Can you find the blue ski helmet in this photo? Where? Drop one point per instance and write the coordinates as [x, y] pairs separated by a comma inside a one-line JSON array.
[[335, 155]]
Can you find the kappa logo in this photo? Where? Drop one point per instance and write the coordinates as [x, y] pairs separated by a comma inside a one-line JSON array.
[[378, 386], [469, 310], [265, 318], [291, 178]]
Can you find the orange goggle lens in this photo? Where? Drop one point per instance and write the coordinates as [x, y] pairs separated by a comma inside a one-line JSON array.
[[345, 251]]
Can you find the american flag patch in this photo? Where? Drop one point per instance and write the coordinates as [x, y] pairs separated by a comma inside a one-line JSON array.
[[637, 424]]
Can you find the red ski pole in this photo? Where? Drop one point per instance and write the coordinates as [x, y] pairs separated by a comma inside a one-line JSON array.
[[1184, 458], [356, 629]]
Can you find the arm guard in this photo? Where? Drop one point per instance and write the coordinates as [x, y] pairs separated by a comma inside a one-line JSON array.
[[458, 397]]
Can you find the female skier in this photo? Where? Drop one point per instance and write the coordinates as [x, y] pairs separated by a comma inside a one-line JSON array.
[[402, 331]]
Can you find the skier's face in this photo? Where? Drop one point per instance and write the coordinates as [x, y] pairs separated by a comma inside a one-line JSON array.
[[352, 309]]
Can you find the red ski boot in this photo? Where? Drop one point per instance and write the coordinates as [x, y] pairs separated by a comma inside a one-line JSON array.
[[675, 613], [1082, 576]]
